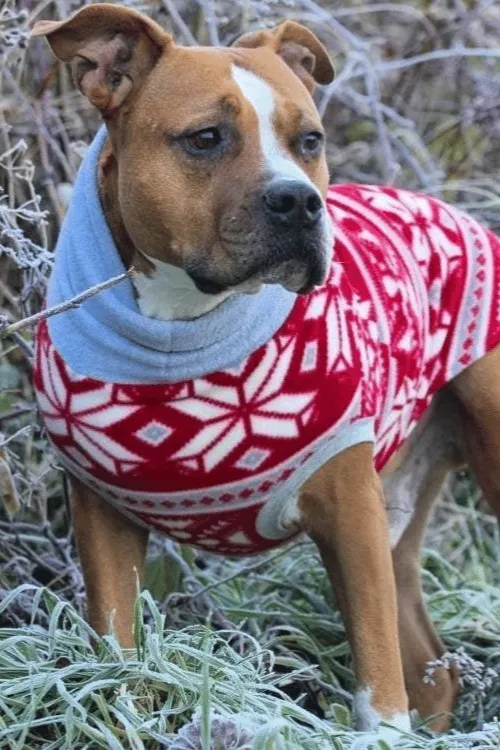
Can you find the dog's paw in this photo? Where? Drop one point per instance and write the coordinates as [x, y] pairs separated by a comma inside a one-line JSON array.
[[376, 726]]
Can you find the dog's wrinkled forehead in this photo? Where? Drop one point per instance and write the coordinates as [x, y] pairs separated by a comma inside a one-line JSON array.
[[253, 89]]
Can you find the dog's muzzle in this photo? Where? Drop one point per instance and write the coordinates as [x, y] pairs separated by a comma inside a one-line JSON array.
[[287, 241]]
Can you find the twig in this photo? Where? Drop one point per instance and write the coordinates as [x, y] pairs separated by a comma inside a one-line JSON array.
[[16, 412], [417, 14], [350, 70], [311, 677], [327, 17], [208, 8], [21, 432], [246, 569], [63, 546], [360, 103], [24, 345], [216, 613], [389, 165], [48, 170], [7, 293], [439, 54], [427, 176], [178, 21], [40, 125], [9, 329]]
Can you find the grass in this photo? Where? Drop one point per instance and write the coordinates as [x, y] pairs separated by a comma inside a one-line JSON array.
[[277, 675], [233, 654], [256, 684]]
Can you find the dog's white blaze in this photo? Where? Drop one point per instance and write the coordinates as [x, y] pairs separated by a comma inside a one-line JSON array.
[[369, 720], [261, 97], [170, 294], [275, 159]]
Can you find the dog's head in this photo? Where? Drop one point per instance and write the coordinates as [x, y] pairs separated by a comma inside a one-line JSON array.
[[220, 152]]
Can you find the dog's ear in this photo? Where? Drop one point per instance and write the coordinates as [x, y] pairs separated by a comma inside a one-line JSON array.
[[111, 50], [300, 49]]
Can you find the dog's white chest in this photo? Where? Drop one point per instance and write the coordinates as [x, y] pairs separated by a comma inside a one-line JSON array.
[[167, 293]]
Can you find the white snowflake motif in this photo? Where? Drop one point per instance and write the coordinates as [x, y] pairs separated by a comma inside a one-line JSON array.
[[230, 415], [84, 417], [395, 424], [417, 213], [333, 309]]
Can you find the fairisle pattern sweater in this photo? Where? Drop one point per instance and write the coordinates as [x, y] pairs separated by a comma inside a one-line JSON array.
[[411, 299]]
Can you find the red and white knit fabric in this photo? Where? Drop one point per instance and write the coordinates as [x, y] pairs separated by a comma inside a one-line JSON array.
[[411, 299]]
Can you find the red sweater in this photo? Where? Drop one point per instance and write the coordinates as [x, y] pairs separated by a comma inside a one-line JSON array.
[[411, 299]]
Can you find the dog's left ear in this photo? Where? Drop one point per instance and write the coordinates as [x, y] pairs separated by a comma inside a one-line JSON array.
[[298, 47]]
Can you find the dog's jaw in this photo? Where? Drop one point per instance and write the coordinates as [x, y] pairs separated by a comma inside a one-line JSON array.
[[168, 293]]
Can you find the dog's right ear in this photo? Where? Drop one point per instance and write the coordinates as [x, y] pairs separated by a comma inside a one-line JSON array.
[[111, 50]]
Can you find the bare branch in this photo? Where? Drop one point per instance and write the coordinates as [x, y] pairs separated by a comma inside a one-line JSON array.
[[7, 329]]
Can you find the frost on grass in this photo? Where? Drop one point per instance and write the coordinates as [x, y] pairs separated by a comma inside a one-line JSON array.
[[416, 102], [185, 689], [472, 673], [224, 734], [474, 677]]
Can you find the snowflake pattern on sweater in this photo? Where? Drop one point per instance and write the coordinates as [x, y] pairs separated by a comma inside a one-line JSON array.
[[411, 299]]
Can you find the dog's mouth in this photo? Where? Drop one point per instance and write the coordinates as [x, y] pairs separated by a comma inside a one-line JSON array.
[[206, 285], [296, 260], [295, 276]]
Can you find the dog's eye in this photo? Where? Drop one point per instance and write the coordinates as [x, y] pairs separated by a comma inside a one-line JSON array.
[[204, 140], [310, 143]]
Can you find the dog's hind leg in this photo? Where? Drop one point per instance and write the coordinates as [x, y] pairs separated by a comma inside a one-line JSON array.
[[410, 491], [478, 390], [112, 551]]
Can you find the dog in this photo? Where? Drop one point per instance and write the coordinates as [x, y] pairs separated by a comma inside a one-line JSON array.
[[288, 357]]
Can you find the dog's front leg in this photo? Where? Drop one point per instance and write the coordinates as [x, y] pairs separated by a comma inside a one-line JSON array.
[[112, 551], [342, 509]]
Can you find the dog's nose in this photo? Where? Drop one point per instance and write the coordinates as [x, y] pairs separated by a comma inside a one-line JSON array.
[[292, 203]]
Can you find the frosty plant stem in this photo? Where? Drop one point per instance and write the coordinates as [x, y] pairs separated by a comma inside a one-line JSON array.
[[7, 329]]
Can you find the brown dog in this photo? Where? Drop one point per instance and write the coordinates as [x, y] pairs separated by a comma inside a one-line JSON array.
[[213, 179]]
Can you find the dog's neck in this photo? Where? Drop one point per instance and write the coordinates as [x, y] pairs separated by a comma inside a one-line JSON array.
[[168, 293], [163, 291]]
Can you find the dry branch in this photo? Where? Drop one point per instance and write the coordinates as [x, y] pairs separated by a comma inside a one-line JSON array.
[[8, 329]]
